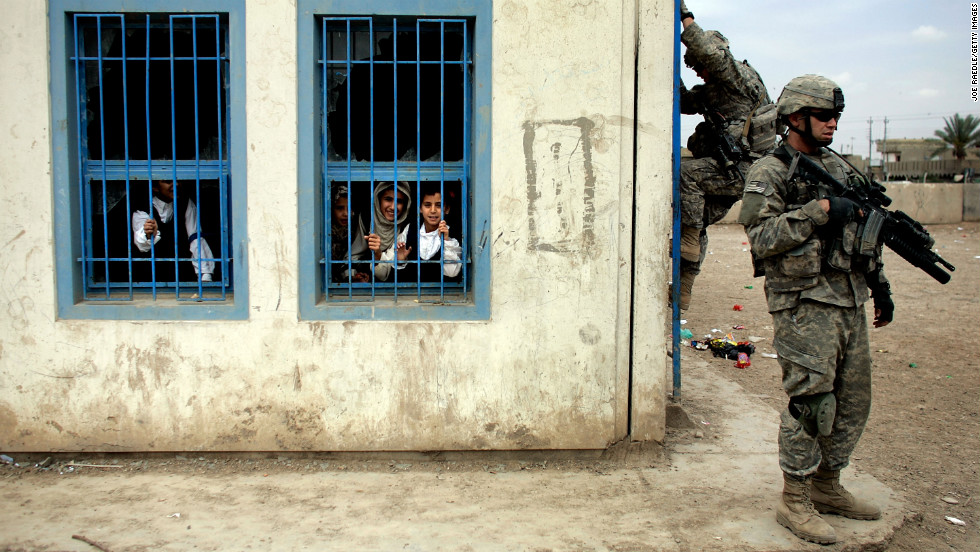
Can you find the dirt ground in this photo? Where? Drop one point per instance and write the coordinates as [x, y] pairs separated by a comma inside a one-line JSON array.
[[923, 437], [922, 441]]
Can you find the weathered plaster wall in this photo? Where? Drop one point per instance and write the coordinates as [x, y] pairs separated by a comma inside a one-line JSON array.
[[549, 370], [651, 380]]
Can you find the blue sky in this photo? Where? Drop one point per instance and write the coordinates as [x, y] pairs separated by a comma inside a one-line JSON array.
[[907, 60]]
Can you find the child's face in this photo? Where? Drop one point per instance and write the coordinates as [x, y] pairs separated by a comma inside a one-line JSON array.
[[431, 211], [388, 204], [164, 189], [340, 211]]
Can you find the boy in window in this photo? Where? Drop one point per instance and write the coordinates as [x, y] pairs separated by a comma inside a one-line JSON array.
[[156, 233], [434, 237]]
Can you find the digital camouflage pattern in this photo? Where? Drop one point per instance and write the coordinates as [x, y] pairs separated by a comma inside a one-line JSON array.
[[810, 91], [701, 178], [809, 339], [734, 87], [732, 91], [818, 311]]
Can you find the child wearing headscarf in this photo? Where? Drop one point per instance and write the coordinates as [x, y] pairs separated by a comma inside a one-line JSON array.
[[378, 237]]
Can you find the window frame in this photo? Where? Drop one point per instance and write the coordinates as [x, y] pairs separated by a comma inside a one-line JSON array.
[[66, 143], [314, 304]]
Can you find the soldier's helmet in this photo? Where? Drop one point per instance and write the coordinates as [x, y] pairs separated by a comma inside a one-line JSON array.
[[809, 91], [716, 39]]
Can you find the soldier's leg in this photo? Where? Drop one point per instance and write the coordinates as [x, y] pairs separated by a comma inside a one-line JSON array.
[[853, 391], [723, 184], [808, 339], [721, 193], [693, 172], [697, 175], [691, 269]]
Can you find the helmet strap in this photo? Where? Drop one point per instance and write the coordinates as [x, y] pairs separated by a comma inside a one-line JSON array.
[[807, 133]]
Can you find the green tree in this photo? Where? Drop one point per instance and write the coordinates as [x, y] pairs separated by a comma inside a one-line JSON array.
[[959, 133]]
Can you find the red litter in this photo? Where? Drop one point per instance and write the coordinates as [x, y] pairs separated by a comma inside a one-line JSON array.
[[737, 308]]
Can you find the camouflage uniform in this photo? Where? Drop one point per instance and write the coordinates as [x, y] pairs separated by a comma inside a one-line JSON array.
[[732, 91], [818, 311]]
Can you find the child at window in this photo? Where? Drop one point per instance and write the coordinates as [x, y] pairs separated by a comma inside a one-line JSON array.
[[339, 234], [157, 233], [434, 237], [388, 239]]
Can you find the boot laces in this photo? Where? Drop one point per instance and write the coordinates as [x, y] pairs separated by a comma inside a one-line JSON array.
[[807, 502]]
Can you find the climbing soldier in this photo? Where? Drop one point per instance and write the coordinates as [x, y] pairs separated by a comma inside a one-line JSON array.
[[739, 128]]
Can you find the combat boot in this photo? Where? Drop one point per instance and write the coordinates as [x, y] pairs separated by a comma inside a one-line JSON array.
[[795, 512], [687, 285], [830, 497], [690, 243]]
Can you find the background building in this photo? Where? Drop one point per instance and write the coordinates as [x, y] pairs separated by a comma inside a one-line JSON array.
[[555, 140], [924, 159]]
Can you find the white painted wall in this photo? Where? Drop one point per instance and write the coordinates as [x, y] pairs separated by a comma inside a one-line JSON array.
[[549, 370]]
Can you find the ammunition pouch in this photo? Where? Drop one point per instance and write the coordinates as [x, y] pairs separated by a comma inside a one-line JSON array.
[[797, 269], [846, 253]]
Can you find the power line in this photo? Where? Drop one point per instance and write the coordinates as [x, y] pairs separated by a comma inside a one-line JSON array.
[[915, 117]]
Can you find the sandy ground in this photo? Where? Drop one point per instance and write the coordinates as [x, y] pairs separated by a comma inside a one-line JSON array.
[[923, 442], [923, 437]]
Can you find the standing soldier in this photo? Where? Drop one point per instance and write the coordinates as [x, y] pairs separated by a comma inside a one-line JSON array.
[[817, 280], [739, 127]]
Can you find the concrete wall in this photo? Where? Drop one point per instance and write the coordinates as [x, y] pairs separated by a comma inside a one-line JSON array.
[[939, 203], [550, 369], [971, 201], [927, 203]]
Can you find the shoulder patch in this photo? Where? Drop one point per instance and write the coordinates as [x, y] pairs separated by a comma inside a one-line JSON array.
[[755, 187]]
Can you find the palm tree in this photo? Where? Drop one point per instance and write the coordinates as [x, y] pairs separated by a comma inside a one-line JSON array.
[[960, 133]]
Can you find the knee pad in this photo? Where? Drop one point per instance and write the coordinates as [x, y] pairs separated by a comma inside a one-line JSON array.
[[815, 413]]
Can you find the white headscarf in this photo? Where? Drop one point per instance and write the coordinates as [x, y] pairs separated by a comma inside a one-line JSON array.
[[382, 227]]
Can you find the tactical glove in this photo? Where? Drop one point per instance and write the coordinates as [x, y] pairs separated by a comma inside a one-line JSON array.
[[884, 306], [881, 292], [685, 13], [842, 210]]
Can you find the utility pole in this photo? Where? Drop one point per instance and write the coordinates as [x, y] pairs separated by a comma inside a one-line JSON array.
[[870, 122], [884, 151]]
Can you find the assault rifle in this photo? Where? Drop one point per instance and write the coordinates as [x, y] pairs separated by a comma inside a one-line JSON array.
[[900, 232], [727, 151]]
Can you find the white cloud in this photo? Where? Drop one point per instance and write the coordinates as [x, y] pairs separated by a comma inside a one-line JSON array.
[[843, 79], [929, 92], [928, 33]]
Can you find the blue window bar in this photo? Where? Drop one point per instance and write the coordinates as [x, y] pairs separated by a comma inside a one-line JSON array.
[[395, 145], [151, 121]]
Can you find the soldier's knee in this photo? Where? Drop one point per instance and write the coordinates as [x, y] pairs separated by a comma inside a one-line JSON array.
[[815, 412]]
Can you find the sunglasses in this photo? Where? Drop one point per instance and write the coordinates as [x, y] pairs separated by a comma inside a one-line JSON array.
[[825, 116]]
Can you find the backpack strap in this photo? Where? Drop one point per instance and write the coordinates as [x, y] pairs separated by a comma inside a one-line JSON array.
[[758, 104], [748, 122], [790, 160]]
